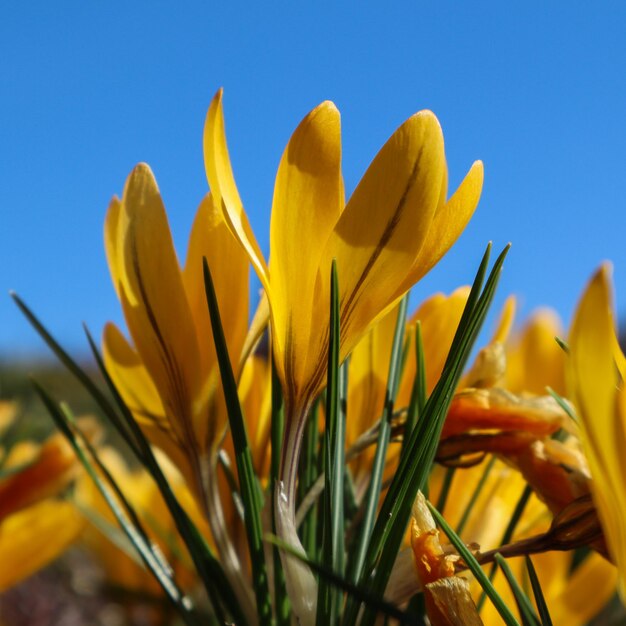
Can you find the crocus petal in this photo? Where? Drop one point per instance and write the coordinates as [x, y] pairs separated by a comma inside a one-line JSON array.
[[32, 538], [588, 590], [534, 359], [505, 321], [211, 238], [385, 223], [448, 223], [131, 378], [308, 199], [439, 317], [602, 409], [141, 396], [367, 380], [50, 470], [154, 300], [222, 184], [110, 242]]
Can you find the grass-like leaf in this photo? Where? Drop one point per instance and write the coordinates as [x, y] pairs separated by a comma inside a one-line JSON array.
[[101, 400], [475, 568], [415, 465], [445, 488], [380, 457], [328, 600], [474, 497], [566, 406], [209, 569], [249, 486], [508, 533], [540, 601], [136, 537], [525, 608]]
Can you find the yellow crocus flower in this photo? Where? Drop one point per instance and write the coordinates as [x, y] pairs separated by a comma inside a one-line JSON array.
[[36, 526], [395, 227], [596, 373], [169, 375], [33, 537]]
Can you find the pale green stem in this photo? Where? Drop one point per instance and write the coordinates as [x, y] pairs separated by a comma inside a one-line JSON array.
[[300, 582]]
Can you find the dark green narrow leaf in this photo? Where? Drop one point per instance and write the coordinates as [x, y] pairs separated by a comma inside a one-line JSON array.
[[380, 457], [101, 400], [479, 487], [540, 601], [208, 567], [136, 536], [525, 608], [415, 465], [445, 488], [332, 502], [475, 568], [418, 392], [282, 607], [249, 487], [508, 533]]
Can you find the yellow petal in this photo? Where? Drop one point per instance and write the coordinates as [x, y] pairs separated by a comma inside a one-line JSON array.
[[222, 184], [588, 590], [385, 223], [111, 222], [259, 323], [367, 380], [32, 538], [154, 300], [131, 378], [308, 199], [138, 391], [439, 316], [602, 409], [507, 315], [449, 221], [211, 238], [534, 359]]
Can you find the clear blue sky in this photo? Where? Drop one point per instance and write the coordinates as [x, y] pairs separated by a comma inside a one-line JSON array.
[[537, 90]]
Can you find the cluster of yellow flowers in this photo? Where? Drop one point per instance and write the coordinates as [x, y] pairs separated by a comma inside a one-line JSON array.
[[534, 433]]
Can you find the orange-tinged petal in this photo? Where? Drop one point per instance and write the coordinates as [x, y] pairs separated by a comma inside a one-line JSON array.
[[448, 223], [35, 536], [222, 184], [385, 223], [308, 200], [154, 299], [211, 238]]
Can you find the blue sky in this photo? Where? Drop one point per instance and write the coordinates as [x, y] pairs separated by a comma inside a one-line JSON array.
[[535, 90]]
